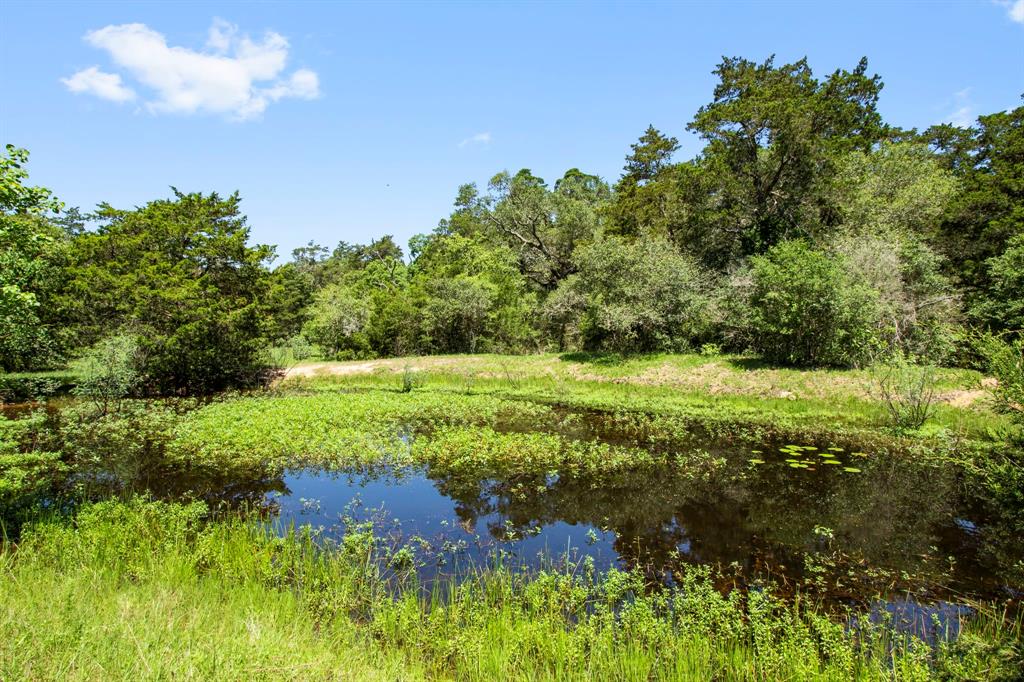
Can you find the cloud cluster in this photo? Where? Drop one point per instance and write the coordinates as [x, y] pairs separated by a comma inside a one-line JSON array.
[[104, 85], [1014, 9], [479, 138], [962, 114], [234, 75]]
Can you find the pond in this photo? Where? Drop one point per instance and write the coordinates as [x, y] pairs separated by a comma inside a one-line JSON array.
[[829, 522]]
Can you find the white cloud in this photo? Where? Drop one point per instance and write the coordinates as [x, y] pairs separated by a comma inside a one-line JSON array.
[[1017, 11], [479, 138], [962, 113], [1014, 9], [102, 85], [235, 76]]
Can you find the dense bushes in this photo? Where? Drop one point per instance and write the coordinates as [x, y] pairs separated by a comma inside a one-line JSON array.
[[806, 309], [181, 275], [634, 296]]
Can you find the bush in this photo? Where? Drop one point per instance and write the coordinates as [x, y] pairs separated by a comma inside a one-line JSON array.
[[909, 394], [918, 307], [109, 371], [28, 471], [26, 386], [806, 310], [1005, 360], [634, 296], [338, 323], [1002, 306]]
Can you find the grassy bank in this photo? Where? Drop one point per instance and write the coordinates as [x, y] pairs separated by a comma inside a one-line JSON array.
[[724, 389], [152, 591]]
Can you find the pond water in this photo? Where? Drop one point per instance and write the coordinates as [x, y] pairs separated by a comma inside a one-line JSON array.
[[842, 527], [887, 533]]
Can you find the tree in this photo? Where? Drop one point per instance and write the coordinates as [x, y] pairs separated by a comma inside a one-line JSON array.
[[645, 198], [544, 227], [1003, 308], [649, 156], [894, 188], [982, 221], [773, 133], [806, 310], [31, 258], [337, 323], [472, 295], [180, 274], [638, 295]]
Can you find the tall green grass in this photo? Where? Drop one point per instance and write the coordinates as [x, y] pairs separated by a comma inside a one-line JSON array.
[[143, 590]]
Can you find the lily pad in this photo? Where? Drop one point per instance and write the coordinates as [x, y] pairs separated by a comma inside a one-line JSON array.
[[756, 461], [832, 461], [852, 470]]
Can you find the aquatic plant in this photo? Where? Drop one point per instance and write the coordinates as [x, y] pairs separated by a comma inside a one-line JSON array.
[[124, 579]]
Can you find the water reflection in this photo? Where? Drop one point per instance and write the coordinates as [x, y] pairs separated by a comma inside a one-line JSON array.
[[891, 528]]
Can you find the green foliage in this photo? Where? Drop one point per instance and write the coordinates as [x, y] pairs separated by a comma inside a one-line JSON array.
[[909, 394], [806, 310], [29, 386], [471, 295], [28, 470], [917, 305], [1005, 360], [117, 450], [634, 296], [109, 371], [83, 596], [897, 187], [31, 255], [337, 323], [773, 134], [988, 214], [180, 274], [544, 227], [1003, 307]]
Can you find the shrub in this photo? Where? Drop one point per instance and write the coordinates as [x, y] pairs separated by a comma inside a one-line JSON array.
[[918, 308], [1005, 360], [909, 394], [338, 323], [805, 309], [109, 371], [634, 296], [1003, 305], [28, 471]]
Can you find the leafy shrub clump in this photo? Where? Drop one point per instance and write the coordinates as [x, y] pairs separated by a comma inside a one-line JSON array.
[[806, 310]]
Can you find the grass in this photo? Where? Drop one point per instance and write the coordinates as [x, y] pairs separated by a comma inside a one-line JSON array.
[[726, 389], [143, 590]]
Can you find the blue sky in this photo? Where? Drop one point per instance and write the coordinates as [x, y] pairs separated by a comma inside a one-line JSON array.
[[348, 121]]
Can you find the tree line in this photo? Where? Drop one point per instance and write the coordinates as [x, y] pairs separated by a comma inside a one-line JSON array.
[[807, 230]]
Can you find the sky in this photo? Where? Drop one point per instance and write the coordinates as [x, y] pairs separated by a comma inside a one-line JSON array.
[[347, 121]]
